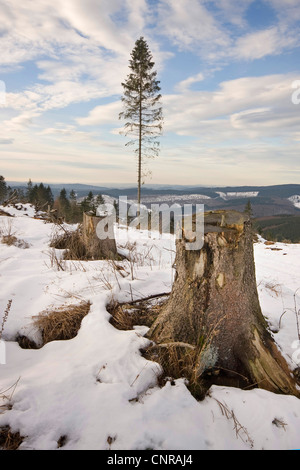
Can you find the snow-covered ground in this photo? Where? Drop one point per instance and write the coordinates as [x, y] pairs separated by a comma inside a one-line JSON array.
[[85, 388]]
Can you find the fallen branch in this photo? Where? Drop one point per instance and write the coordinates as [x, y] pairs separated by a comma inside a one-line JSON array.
[[143, 299]]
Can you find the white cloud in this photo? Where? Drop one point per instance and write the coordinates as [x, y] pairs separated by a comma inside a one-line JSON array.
[[202, 27], [190, 26], [258, 44], [103, 114], [72, 31], [232, 11], [237, 109], [184, 85], [87, 45], [287, 11]]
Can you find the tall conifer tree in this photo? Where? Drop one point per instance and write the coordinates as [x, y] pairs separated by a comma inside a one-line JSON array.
[[142, 107]]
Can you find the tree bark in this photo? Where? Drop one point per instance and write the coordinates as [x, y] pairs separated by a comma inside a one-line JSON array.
[[214, 307]]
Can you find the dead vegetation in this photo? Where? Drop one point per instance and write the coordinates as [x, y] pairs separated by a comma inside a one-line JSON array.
[[12, 240], [124, 316], [8, 236], [61, 323], [5, 316], [56, 324], [6, 397], [10, 440], [279, 423], [71, 242], [62, 441], [176, 360], [4, 213], [240, 430]]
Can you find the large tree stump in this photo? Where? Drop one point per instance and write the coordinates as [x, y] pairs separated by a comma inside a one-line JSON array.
[[214, 310], [98, 248]]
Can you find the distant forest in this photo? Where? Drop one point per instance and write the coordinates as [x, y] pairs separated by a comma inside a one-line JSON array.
[[66, 205], [284, 228]]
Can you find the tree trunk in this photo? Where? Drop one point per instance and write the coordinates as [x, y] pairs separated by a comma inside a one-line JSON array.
[[97, 248], [214, 308], [140, 146]]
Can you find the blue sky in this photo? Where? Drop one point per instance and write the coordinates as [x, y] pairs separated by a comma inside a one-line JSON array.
[[226, 67]]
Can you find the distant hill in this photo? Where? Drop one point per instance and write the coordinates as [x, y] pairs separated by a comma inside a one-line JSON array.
[[265, 200]]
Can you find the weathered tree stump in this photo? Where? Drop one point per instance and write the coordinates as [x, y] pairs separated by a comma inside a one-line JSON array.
[[214, 308], [97, 248]]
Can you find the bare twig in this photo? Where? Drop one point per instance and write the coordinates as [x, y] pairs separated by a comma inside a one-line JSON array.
[[240, 431]]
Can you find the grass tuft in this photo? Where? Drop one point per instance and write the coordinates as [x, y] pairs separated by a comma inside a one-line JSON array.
[[61, 323], [10, 440]]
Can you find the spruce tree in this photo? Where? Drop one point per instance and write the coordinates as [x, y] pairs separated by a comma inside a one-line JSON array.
[[29, 190], [73, 197], [49, 196], [248, 209], [64, 204], [142, 108], [3, 189]]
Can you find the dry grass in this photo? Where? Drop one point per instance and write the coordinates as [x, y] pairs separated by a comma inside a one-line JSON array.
[[120, 318], [61, 323], [274, 288], [55, 260], [10, 440], [71, 242], [240, 430], [7, 234], [6, 397], [11, 240], [142, 312], [279, 423], [177, 360]]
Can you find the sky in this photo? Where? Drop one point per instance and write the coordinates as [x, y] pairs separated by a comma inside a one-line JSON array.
[[229, 73]]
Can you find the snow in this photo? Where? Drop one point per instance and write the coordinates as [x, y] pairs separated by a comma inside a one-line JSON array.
[[174, 197], [247, 194], [97, 389], [295, 200]]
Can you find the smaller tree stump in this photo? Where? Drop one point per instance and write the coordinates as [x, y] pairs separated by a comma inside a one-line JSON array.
[[98, 248]]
